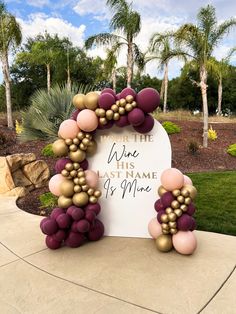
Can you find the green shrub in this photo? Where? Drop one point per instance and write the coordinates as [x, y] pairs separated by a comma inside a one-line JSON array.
[[47, 200], [47, 151], [232, 150], [193, 147], [170, 127]]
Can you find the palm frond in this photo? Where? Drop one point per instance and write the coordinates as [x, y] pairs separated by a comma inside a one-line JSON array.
[[102, 39], [222, 30]]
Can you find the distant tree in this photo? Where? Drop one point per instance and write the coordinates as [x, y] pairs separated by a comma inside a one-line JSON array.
[[10, 37]]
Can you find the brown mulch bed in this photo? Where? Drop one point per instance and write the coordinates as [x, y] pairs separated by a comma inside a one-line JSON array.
[[213, 158]]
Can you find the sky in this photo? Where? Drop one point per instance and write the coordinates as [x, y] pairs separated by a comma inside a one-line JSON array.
[[80, 19]]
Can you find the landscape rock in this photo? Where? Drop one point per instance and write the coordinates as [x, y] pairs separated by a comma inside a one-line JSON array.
[[17, 161], [20, 179], [6, 181], [37, 172], [18, 192]]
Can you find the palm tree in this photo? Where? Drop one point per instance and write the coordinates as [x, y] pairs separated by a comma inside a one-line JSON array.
[[127, 21], [10, 37], [199, 41], [110, 64]]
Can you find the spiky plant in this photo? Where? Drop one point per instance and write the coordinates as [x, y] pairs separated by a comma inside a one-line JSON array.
[[47, 111]]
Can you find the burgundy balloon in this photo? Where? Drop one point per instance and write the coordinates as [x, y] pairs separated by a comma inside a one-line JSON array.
[[148, 99], [49, 226], [184, 222], [43, 221], [90, 215], [160, 213], [84, 164], [56, 212], [52, 243], [159, 206], [93, 207], [83, 226], [136, 117], [77, 213], [146, 126], [75, 114], [106, 100], [127, 91], [122, 122], [109, 91], [74, 226], [118, 96], [167, 198], [74, 239], [191, 209], [59, 236], [63, 221], [106, 126], [60, 164], [194, 225], [97, 231]]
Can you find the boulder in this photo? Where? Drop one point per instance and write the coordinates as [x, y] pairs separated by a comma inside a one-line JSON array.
[[18, 192], [20, 179], [37, 172], [6, 181], [17, 161]]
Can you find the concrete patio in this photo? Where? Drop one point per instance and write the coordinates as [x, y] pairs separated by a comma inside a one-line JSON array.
[[114, 275]]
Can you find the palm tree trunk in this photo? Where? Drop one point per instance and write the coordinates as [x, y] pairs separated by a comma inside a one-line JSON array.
[[203, 86], [68, 79], [114, 79], [129, 64], [165, 88], [7, 80], [48, 77], [220, 89], [162, 88]]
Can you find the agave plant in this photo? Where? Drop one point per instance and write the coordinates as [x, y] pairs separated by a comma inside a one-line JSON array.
[[47, 111]]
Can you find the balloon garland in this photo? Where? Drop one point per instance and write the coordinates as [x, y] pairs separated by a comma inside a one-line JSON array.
[[174, 223], [75, 219]]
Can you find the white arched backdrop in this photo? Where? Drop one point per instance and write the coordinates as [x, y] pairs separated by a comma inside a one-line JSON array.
[[129, 165]]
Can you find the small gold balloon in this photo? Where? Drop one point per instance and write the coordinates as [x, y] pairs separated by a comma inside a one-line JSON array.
[[76, 181], [192, 191], [76, 165], [93, 199], [164, 243], [80, 135], [109, 114], [114, 108], [128, 107], [121, 110], [165, 226], [64, 202], [68, 141], [175, 204], [73, 173], [172, 224], [184, 192], [165, 231], [161, 190], [169, 210], [81, 174], [65, 173], [69, 166], [73, 148], [78, 101], [60, 148], [173, 231], [86, 141], [85, 188], [117, 103], [77, 188], [103, 121], [116, 116], [102, 113], [172, 217], [67, 188], [180, 199], [184, 207], [134, 104], [92, 147], [97, 111], [82, 181], [91, 100], [178, 212], [88, 136], [80, 199], [76, 141], [97, 193], [187, 201], [122, 102], [164, 218], [77, 156], [176, 193], [82, 146], [90, 192], [129, 98]]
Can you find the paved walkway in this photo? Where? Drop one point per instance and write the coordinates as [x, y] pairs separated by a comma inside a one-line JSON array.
[[114, 275]]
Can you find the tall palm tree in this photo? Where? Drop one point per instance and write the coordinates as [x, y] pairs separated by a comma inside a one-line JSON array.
[[110, 64], [199, 41], [10, 37], [127, 21]]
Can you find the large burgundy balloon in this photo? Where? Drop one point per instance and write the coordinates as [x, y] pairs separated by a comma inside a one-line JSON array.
[[159, 206], [59, 236], [184, 222], [146, 126], [167, 198], [75, 239], [127, 91], [77, 213], [106, 126], [74, 226], [109, 91], [83, 226], [74, 114], [60, 164], [191, 209], [56, 212], [49, 226], [122, 122], [160, 213], [136, 117], [118, 96], [84, 164], [106, 100], [90, 215], [63, 221], [43, 221], [148, 99], [96, 231], [93, 207], [52, 243]]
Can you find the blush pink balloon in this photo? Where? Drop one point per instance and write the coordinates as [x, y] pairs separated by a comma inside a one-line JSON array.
[[68, 129], [91, 178], [172, 179], [54, 184], [184, 242], [154, 228], [87, 120], [187, 180]]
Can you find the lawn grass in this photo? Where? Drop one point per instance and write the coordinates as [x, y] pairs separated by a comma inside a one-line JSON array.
[[216, 201]]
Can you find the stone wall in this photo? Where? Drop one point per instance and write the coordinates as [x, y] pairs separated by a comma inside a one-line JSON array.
[[22, 173]]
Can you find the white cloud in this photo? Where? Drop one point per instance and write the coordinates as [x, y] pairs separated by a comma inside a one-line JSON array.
[[38, 3], [98, 9], [40, 22]]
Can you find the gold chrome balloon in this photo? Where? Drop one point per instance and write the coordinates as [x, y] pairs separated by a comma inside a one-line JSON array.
[[169, 210], [92, 147], [102, 113], [91, 100], [82, 146], [180, 199], [60, 148], [93, 199], [67, 188], [114, 108], [80, 199], [80, 135], [164, 218], [97, 193], [69, 166], [73, 173], [184, 192], [175, 204], [178, 212], [77, 156], [90, 192], [76, 165], [103, 121], [165, 226], [77, 188], [85, 188], [80, 174], [121, 110], [109, 114], [164, 243], [116, 116], [78, 101], [165, 231], [68, 141], [172, 224], [134, 104], [82, 181], [85, 141], [65, 173], [172, 217], [73, 148], [129, 98], [176, 193], [173, 230], [76, 181], [192, 191], [184, 207], [128, 107], [161, 190], [76, 141], [187, 201], [64, 202], [122, 102]]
